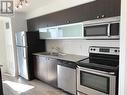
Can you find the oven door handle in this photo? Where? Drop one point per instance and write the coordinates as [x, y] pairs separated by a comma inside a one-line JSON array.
[[98, 72]]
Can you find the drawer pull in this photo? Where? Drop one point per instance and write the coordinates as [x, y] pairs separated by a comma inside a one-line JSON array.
[[103, 16], [98, 17]]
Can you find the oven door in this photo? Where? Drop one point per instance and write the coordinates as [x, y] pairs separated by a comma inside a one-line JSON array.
[[94, 82]]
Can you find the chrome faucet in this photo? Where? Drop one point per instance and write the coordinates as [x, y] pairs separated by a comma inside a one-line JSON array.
[[58, 50]]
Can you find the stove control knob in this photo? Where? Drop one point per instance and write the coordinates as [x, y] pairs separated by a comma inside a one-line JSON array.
[[94, 49], [115, 51], [91, 49]]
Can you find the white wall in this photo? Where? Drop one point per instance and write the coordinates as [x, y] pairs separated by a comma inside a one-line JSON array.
[[79, 47], [53, 6], [7, 54], [123, 50], [2, 45], [19, 23], [9, 47]]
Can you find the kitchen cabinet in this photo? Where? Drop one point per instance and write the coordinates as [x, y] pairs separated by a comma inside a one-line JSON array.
[[48, 33], [71, 30], [103, 9], [62, 32], [41, 68], [1, 88], [52, 71], [53, 32], [84, 12], [46, 70], [43, 33]]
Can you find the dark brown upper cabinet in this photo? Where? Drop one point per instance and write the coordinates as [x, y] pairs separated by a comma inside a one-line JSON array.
[[89, 11], [104, 8]]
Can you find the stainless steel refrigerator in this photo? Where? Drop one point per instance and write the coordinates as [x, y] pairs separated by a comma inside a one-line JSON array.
[[27, 43]]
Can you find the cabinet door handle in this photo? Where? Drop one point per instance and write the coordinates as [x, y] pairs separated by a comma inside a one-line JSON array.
[[68, 21], [98, 17], [102, 16]]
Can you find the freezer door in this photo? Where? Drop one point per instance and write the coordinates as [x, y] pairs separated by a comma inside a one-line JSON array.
[[21, 39], [22, 62]]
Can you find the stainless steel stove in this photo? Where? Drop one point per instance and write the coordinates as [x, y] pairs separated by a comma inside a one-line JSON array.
[[98, 74]]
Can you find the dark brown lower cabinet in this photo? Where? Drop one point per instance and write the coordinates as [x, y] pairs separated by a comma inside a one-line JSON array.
[[46, 70], [1, 88]]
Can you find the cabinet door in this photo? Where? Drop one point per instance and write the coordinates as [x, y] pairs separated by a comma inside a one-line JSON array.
[[101, 9], [41, 68], [75, 30], [48, 33], [52, 71], [64, 31], [107, 8], [44, 33], [53, 32]]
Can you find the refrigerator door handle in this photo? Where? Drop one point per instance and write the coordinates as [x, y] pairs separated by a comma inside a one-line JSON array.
[[23, 39], [24, 53]]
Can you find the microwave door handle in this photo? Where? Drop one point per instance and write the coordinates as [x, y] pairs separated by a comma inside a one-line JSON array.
[[109, 30]]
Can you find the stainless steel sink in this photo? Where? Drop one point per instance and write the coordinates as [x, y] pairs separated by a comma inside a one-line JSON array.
[[54, 54], [51, 53]]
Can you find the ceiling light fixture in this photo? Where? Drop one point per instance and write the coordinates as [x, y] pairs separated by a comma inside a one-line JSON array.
[[21, 3]]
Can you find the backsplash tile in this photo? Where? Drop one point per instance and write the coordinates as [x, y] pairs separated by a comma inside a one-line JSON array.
[[79, 47]]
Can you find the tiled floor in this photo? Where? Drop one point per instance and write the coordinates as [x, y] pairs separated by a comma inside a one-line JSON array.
[[19, 86]]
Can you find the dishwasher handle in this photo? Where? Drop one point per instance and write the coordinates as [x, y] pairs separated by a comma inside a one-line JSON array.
[[68, 64]]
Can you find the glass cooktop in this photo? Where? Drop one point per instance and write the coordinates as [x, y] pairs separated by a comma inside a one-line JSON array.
[[100, 64]]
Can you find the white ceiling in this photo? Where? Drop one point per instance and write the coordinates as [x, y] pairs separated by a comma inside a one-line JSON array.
[[33, 4], [41, 7], [36, 4]]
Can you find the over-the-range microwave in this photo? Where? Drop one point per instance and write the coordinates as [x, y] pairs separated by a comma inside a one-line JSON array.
[[107, 28]]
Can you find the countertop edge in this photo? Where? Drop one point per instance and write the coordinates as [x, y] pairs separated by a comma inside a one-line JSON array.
[[63, 57]]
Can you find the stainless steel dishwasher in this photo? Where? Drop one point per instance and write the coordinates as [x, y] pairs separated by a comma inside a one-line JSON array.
[[66, 73]]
